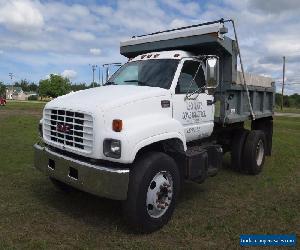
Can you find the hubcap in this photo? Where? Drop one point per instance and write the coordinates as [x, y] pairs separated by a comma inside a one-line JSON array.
[[260, 152], [159, 195]]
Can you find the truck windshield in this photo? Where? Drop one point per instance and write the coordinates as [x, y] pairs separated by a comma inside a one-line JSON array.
[[153, 73]]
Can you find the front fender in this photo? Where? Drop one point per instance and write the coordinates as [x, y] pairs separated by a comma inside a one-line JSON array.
[[157, 138], [148, 129]]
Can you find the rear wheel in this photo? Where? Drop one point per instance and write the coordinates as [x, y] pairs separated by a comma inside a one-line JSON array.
[[254, 152], [153, 189]]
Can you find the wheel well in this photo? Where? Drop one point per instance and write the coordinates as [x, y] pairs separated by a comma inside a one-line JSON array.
[[173, 147], [266, 126], [168, 146]]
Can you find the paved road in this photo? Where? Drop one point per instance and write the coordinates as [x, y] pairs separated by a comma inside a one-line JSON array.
[[287, 114]]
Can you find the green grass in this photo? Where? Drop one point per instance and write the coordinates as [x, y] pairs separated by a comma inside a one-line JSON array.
[[287, 110], [34, 215], [24, 105]]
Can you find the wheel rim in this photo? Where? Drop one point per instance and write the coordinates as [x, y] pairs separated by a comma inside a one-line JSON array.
[[160, 194], [260, 151]]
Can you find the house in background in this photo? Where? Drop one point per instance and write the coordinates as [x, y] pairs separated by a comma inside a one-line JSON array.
[[16, 93]]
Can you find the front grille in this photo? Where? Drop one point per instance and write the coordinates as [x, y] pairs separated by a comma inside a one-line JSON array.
[[72, 129]]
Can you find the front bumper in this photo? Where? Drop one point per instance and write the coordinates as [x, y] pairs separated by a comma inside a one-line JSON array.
[[99, 180]]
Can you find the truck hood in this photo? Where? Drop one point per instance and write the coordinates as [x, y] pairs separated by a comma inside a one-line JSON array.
[[105, 97]]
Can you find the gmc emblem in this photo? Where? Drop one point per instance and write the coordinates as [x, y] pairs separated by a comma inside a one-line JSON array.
[[63, 128]]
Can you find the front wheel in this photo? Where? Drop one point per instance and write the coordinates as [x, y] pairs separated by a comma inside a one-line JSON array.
[[153, 189]]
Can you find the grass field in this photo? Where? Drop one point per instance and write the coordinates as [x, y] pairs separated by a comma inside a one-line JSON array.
[[34, 215], [288, 110]]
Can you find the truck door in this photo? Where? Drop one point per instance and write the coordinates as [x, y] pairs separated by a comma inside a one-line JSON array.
[[194, 111]]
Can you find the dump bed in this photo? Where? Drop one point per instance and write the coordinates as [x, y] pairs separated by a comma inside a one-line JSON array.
[[232, 103]]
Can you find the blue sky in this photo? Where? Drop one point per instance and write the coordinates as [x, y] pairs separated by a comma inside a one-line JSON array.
[[38, 37]]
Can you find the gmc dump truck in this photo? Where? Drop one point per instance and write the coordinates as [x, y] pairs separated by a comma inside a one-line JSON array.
[[166, 116]]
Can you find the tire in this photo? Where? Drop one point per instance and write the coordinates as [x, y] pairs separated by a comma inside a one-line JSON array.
[[238, 142], [61, 186], [154, 181], [254, 152]]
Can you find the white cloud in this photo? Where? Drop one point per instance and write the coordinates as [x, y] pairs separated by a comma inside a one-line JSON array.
[[287, 44], [69, 73], [82, 36], [95, 51], [20, 14], [103, 10], [176, 23], [187, 8], [46, 35]]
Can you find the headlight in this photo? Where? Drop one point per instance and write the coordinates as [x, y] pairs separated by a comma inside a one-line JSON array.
[[112, 148]]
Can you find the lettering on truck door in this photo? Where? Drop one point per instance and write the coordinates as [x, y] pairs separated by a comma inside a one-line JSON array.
[[194, 112]]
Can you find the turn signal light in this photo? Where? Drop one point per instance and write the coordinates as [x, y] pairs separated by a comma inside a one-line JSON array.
[[117, 125]]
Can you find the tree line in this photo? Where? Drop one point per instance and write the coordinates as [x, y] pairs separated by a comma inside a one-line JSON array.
[[290, 101], [57, 85], [53, 86]]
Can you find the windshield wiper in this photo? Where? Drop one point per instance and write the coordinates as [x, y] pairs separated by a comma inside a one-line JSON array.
[[139, 82], [109, 83]]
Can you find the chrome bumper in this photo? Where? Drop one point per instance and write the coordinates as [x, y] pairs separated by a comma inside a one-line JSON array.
[[99, 180]]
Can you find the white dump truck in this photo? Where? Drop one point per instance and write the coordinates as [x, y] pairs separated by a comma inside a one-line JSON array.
[[166, 116]]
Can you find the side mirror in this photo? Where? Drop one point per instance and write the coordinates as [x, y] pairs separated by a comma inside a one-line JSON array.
[[212, 72]]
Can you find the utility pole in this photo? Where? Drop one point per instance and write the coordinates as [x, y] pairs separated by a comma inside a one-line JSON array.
[[99, 76], [94, 66], [283, 76], [11, 75]]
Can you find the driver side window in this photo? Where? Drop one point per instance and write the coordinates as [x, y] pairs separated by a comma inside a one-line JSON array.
[[187, 81]]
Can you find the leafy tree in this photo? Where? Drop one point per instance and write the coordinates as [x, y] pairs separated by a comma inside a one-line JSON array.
[[55, 86], [94, 85], [80, 86], [26, 85], [286, 101], [277, 99], [2, 89], [295, 100]]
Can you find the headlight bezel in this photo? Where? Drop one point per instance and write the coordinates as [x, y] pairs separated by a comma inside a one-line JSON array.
[[107, 148]]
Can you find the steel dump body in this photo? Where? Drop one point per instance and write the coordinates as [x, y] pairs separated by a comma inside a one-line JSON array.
[[232, 102], [231, 98]]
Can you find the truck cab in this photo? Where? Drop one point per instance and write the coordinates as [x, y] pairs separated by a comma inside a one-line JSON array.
[[165, 116], [183, 75]]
